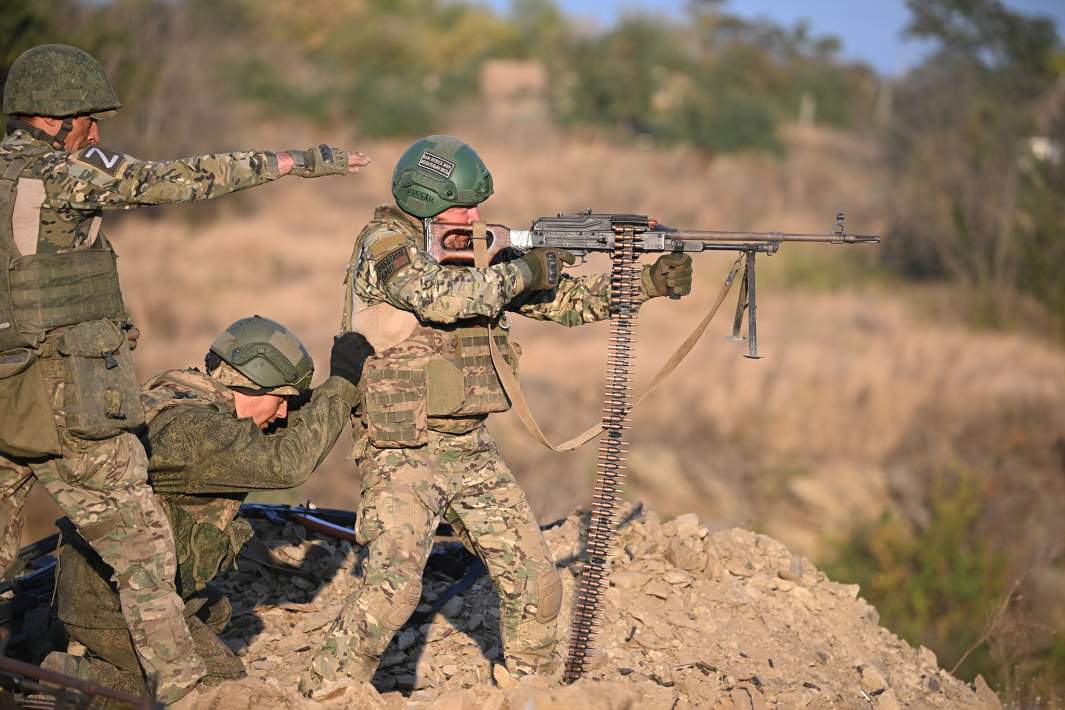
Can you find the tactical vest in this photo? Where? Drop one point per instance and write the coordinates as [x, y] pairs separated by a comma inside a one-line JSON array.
[[207, 532], [39, 292], [423, 377]]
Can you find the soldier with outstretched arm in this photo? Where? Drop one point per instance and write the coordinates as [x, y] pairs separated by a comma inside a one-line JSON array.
[[421, 445], [212, 438], [70, 398]]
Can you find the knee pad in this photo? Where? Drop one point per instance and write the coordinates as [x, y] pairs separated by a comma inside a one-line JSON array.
[[403, 604], [543, 590]]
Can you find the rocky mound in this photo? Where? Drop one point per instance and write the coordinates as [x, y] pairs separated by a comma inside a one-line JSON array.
[[693, 619]]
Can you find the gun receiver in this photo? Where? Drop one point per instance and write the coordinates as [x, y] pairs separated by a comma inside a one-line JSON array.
[[586, 232]]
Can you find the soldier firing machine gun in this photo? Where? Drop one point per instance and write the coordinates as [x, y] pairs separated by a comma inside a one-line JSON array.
[[624, 237]]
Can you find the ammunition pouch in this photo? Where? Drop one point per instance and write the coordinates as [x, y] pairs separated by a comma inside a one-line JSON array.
[[27, 424], [394, 383], [100, 398], [462, 380], [433, 373], [39, 292], [206, 541]]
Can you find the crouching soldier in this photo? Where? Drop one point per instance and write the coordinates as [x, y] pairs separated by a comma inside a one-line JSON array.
[[211, 441]]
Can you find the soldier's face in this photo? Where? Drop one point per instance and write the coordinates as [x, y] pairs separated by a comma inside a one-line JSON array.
[[263, 409], [458, 215], [85, 132]]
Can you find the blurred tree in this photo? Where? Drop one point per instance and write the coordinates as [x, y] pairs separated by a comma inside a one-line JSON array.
[[960, 149], [718, 81], [25, 24], [400, 67], [389, 68]]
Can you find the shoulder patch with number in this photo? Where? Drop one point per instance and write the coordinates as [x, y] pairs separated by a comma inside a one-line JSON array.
[[103, 159]]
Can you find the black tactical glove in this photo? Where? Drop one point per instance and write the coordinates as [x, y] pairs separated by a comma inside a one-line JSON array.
[[670, 275], [546, 263], [349, 354], [319, 161]]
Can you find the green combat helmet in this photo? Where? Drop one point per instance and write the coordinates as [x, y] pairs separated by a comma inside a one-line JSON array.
[[267, 354], [439, 172], [58, 80]]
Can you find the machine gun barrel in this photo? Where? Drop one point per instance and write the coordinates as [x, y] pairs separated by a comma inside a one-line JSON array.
[[714, 235]]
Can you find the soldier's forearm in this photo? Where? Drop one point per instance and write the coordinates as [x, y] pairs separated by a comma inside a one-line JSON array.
[[445, 294], [575, 301]]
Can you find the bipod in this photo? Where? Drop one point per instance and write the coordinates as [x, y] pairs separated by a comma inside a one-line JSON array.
[[747, 302]]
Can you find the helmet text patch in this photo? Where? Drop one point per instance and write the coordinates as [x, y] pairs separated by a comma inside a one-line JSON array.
[[438, 165]]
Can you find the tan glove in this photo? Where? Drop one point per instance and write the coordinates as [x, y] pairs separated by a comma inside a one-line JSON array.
[[320, 161], [670, 275], [546, 264]]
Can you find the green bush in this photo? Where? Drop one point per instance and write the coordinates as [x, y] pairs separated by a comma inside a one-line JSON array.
[[937, 584]]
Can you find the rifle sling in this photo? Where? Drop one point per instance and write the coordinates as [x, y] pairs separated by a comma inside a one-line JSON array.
[[513, 388]]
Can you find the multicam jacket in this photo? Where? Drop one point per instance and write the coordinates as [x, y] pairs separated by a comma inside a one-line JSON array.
[[203, 462], [427, 321], [60, 297], [62, 195]]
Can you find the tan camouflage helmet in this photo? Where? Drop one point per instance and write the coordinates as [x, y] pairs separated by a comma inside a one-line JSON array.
[[58, 80], [262, 354]]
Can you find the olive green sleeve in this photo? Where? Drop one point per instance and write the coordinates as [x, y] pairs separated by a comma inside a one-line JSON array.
[[437, 293], [98, 178], [200, 450]]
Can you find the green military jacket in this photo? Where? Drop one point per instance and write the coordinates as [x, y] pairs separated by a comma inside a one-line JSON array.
[[203, 462]]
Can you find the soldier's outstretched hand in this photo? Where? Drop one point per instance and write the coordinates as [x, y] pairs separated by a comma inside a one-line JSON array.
[[321, 160]]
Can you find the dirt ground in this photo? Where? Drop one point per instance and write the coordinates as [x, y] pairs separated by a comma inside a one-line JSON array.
[[693, 619]]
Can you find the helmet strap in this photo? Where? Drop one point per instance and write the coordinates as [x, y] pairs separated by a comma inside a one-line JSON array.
[[64, 131], [56, 141]]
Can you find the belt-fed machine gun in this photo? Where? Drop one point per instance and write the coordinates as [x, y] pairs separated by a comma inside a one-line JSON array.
[[586, 232], [624, 237]]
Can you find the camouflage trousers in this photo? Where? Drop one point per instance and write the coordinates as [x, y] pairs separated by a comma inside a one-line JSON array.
[[406, 492], [102, 487], [112, 659]]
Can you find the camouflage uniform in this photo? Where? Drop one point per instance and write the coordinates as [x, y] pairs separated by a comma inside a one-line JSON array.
[[89, 462], [203, 464], [424, 453]]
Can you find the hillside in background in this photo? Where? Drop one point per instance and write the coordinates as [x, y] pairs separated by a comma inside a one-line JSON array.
[[906, 429]]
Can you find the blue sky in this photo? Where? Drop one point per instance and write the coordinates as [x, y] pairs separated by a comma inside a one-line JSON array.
[[871, 30]]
